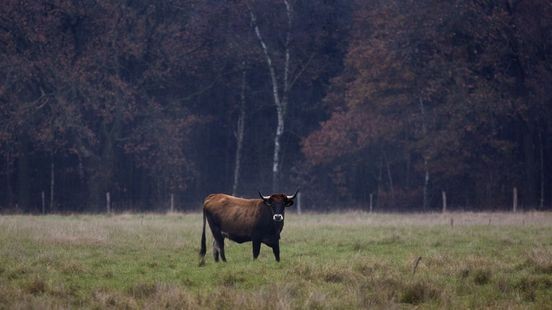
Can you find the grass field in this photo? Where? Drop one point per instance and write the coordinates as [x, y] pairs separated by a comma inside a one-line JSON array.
[[350, 260]]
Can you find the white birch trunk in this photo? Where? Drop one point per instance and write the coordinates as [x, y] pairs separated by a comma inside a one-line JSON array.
[[280, 100], [277, 151]]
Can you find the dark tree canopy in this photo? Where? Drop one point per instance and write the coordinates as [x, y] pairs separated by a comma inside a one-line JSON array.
[[144, 100]]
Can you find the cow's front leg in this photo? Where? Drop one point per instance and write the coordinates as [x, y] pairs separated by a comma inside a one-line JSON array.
[[276, 249], [256, 248]]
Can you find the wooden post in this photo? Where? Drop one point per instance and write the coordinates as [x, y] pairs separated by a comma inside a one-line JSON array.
[[108, 202], [371, 202], [515, 200], [444, 195], [451, 222], [299, 211], [416, 262], [43, 196], [172, 202]]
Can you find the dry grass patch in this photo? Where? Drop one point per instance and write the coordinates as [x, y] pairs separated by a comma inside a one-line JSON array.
[[8, 295], [477, 268], [169, 296], [107, 299], [316, 300], [143, 290], [304, 270], [378, 292], [72, 267], [419, 292], [17, 273], [235, 299], [481, 276], [232, 279], [540, 259], [338, 274], [526, 288]]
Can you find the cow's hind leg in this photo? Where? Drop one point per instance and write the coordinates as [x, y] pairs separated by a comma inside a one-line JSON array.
[[215, 251], [218, 243], [221, 248], [218, 246]]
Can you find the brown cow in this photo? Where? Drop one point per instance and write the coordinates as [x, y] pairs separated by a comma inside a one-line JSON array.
[[242, 220]]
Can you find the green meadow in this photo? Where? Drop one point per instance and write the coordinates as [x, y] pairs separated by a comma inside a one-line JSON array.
[[351, 260]]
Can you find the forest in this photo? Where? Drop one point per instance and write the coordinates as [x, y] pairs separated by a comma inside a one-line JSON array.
[[350, 101]]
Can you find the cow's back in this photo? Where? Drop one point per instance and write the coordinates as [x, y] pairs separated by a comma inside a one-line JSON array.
[[233, 215]]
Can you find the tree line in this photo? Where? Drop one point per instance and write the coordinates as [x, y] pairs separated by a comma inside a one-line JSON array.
[[346, 100]]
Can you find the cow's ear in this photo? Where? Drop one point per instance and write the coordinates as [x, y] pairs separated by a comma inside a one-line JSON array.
[[289, 203]]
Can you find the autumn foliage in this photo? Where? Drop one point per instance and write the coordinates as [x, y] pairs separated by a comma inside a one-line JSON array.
[[141, 99], [454, 89]]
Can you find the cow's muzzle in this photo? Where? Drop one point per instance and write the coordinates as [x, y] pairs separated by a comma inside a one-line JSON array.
[[278, 217]]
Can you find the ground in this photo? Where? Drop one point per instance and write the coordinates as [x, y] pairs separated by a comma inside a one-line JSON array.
[[350, 260]]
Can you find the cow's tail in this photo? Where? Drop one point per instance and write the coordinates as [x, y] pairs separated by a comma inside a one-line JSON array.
[[203, 249]]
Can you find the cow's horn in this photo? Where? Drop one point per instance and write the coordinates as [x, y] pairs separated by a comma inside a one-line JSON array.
[[264, 197], [294, 195]]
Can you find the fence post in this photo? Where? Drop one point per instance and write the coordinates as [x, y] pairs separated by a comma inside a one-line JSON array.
[[515, 200], [108, 202], [444, 195], [299, 211], [43, 196], [172, 202], [371, 202]]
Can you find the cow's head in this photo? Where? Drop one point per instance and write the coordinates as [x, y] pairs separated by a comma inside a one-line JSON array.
[[278, 204]]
